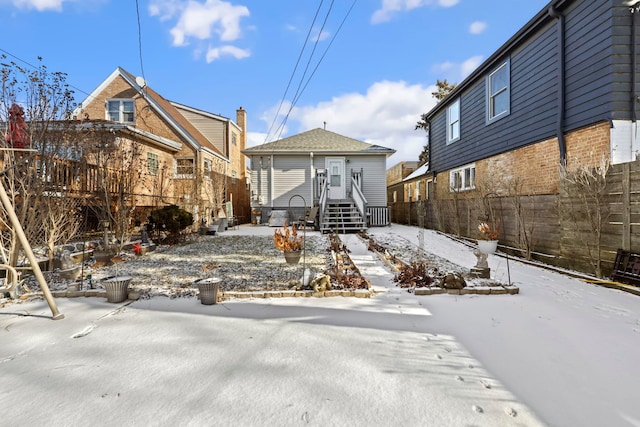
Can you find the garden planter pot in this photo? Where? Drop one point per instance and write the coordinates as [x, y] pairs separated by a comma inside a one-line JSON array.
[[292, 257], [208, 289], [487, 246], [117, 288]]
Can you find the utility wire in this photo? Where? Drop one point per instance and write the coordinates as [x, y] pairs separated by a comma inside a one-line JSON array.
[[299, 94], [313, 50], [140, 41], [295, 68], [35, 67]]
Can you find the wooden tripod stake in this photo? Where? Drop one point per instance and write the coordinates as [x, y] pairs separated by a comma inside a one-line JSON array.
[[35, 267]]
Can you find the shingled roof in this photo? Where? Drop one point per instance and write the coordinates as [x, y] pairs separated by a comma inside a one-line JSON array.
[[319, 141]]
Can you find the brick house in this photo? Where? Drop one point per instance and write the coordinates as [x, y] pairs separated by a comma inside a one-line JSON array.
[[195, 156], [561, 91], [395, 175]]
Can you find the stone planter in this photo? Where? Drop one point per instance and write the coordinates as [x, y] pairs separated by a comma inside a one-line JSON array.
[[487, 246], [292, 257], [117, 288], [208, 289]]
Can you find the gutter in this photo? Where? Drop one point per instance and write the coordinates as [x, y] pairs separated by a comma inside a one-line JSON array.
[[560, 52]]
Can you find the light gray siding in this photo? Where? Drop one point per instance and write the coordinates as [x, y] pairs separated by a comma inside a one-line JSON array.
[[290, 178], [374, 183]]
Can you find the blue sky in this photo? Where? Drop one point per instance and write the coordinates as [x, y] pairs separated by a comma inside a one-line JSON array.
[[368, 68]]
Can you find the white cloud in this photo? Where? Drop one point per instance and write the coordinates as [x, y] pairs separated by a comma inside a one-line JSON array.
[[470, 64], [218, 52], [456, 72], [200, 20], [390, 7], [319, 36], [39, 5], [477, 27], [385, 115]]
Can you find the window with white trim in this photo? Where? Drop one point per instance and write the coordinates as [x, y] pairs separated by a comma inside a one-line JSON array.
[[418, 190], [206, 168], [184, 167], [234, 139], [453, 122], [121, 110], [499, 92], [152, 163], [463, 178], [409, 191]]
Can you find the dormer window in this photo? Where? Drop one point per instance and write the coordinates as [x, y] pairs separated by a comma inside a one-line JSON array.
[[120, 110]]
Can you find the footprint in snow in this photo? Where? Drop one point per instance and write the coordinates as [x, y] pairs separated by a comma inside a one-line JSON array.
[[459, 378], [511, 412], [477, 409], [485, 384]]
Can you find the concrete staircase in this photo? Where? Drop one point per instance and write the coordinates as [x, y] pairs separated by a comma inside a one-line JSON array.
[[342, 216]]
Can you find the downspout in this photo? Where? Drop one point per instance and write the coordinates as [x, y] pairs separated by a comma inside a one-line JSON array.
[[554, 13], [634, 65]]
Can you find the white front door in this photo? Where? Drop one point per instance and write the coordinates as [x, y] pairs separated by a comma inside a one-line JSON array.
[[336, 176]]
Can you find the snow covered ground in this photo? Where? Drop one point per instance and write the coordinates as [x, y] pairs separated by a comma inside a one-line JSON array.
[[560, 353]]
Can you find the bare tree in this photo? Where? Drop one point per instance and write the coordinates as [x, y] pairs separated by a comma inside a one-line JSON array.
[[117, 171], [587, 210], [41, 149]]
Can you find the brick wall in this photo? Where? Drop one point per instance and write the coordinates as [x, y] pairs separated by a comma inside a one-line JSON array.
[[537, 166]]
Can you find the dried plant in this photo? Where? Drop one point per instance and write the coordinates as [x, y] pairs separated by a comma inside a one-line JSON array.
[[287, 240], [488, 230], [416, 274]]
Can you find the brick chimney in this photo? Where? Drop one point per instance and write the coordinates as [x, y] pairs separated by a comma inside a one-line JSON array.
[[241, 120]]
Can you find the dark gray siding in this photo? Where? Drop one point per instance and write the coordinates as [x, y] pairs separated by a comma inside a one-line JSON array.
[[588, 63], [533, 98], [598, 85]]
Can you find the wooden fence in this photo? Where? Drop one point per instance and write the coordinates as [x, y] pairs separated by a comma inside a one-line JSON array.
[[554, 228]]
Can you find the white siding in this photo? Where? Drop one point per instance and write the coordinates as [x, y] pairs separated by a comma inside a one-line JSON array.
[[374, 177], [291, 177]]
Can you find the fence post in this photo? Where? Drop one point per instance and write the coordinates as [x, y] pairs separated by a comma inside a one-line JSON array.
[[626, 208]]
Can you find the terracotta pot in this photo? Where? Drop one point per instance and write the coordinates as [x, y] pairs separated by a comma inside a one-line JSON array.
[[487, 246], [292, 257]]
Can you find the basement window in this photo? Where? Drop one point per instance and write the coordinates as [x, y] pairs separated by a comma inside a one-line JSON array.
[[462, 179]]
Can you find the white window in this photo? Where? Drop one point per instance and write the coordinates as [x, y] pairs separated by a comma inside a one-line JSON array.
[[152, 163], [234, 139], [429, 190], [463, 178], [184, 168], [120, 110], [453, 122], [409, 191], [395, 197], [417, 190], [498, 92], [234, 177], [206, 169]]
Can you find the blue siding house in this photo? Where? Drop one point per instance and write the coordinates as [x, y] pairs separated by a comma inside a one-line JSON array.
[[562, 90]]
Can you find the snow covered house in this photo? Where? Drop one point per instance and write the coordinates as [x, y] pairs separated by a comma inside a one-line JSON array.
[[344, 177]]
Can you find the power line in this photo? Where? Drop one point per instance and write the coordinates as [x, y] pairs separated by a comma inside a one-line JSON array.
[[299, 93], [35, 67], [140, 39], [295, 68]]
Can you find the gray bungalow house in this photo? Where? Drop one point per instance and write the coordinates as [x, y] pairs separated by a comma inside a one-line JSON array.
[[343, 177]]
